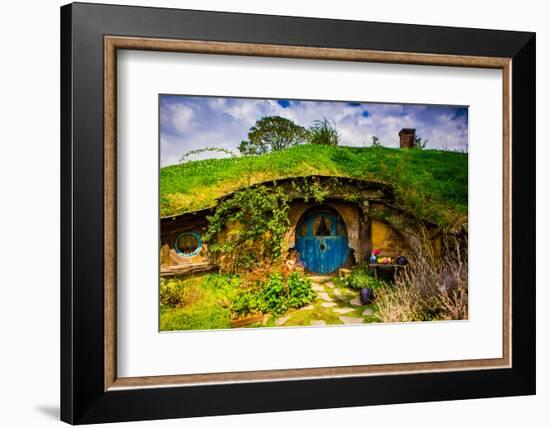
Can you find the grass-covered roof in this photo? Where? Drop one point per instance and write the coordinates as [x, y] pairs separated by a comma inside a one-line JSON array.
[[430, 184]]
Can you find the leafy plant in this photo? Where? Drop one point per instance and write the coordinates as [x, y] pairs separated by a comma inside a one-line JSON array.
[[300, 292], [246, 231], [323, 132], [311, 189], [360, 277], [274, 295]]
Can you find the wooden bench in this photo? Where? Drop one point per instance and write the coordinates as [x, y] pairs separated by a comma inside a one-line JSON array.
[[374, 267]]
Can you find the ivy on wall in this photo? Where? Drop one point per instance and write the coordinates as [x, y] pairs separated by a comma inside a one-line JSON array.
[[247, 230]]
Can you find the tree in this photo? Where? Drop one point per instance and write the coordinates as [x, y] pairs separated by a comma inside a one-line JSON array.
[[270, 134], [420, 143], [376, 141], [323, 132]]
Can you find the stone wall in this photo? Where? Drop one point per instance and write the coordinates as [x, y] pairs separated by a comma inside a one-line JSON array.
[[387, 240]]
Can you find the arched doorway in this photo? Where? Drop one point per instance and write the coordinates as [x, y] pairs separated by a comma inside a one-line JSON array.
[[322, 240]]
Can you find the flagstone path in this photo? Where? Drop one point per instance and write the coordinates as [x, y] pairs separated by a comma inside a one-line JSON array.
[[333, 304]]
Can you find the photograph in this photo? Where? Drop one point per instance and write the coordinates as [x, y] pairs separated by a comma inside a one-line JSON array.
[[309, 213], [262, 213]]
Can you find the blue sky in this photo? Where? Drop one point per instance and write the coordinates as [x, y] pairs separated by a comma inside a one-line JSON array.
[[194, 122]]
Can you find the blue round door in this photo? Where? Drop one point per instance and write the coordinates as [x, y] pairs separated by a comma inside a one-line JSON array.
[[322, 241]]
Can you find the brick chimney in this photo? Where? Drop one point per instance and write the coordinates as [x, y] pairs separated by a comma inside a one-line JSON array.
[[406, 138]]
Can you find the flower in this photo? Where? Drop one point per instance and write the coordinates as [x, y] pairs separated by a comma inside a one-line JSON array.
[[376, 251]]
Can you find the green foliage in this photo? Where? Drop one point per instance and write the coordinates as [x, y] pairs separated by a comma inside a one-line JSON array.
[[430, 184], [420, 143], [275, 295], [198, 302], [246, 231], [361, 277], [310, 189], [323, 132], [270, 134], [376, 141], [300, 292], [170, 292]]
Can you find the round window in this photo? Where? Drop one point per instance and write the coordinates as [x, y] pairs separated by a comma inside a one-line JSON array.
[[188, 244]]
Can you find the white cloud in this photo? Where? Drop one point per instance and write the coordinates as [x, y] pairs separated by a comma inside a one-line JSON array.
[[190, 123], [181, 116]]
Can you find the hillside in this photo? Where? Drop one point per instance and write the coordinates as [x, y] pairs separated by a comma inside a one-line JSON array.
[[430, 184]]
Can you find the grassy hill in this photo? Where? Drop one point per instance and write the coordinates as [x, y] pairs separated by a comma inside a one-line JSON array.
[[430, 184]]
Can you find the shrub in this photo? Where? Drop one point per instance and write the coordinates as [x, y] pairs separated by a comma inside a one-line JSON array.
[[300, 291], [427, 291], [361, 277], [323, 132], [169, 293], [275, 295], [174, 293]]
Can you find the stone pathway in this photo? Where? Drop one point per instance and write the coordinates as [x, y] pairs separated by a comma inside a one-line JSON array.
[[282, 320], [355, 302], [334, 300], [343, 310], [351, 320], [324, 295], [320, 278], [328, 304]]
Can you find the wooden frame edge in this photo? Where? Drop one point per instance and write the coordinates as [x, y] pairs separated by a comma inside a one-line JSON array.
[[507, 212], [112, 43], [110, 187]]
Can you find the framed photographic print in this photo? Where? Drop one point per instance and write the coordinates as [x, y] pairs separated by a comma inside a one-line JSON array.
[[265, 213]]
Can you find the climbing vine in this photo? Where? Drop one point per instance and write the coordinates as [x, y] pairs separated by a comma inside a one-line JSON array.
[[185, 156], [247, 230], [310, 189]]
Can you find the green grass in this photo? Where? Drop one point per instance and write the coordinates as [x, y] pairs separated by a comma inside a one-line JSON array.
[[431, 184], [205, 304]]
